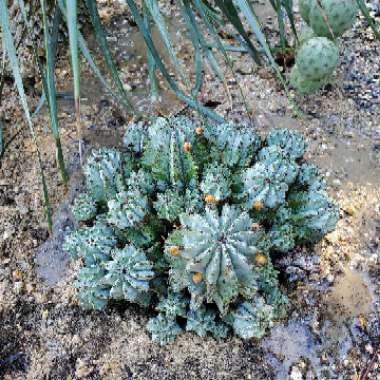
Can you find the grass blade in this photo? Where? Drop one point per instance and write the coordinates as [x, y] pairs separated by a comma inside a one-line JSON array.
[[102, 42], [13, 60], [90, 60], [288, 5], [51, 93], [193, 26], [371, 22], [247, 11], [71, 9], [2, 143], [202, 9], [149, 42], [154, 87], [154, 9], [230, 11]]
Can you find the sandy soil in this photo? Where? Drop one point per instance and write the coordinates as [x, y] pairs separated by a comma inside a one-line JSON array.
[[333, 329]]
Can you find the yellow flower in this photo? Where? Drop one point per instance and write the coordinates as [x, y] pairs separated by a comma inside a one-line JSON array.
[[199, 131], [209, 198], [174, 250], [197, 277], [260, 259], [258, 205]]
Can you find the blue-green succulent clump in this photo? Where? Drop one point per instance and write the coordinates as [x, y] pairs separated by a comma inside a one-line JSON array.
[[187, 218]]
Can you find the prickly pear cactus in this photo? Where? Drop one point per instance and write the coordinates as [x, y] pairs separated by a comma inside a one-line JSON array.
[[305, 34], [317, 54], [317, 58], [302, 85], [331, 18], [304, 7], [186, 219]]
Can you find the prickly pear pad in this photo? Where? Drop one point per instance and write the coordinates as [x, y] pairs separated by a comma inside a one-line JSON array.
[[186, 219], [317, 58], [340, 15]]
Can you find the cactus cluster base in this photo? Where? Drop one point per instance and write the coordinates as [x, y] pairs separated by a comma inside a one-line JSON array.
[[187, 218]]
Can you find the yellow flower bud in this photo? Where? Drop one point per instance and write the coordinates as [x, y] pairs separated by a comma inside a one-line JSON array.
[[174, 250], [260, 259], [258, 205], [199, 131], [197, 277], [187, 147], [209, 198]]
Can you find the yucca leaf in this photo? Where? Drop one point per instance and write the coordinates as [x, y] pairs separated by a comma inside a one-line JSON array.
[[57, 18], [202, 10], [277, 6], [102, 41], [95, 69], [154, 9], [71, 9], [205, 46], [371, 22], [154, 87], [248, 13], [54, 43], [149, 42], [41, 69], [50, 91], [39, 105], [288, 5], [2, 143], [2, 73], [211, 12], [230, 11], [13, 60], [90, 60], [198, 34], [193, 33]]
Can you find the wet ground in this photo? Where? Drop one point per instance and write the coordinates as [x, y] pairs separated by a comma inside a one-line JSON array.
[[333, 329]]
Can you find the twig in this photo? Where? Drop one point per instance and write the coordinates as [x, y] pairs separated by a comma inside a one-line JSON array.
[[364, 375], [326, 19]]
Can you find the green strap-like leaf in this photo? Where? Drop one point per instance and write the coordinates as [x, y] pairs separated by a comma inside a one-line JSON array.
[[193, 25], [149, 42], [154, 87], [90, 60], [277, 6], [288, 5], [2, 144], [248, 13], [364, 9], [102, 41], [197, 43], [202, 9], [230, 11], [71, 20], [50, 90], [13, 60], [154, 9]]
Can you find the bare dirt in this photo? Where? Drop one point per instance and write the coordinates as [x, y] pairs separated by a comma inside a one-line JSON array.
[[333, 328]]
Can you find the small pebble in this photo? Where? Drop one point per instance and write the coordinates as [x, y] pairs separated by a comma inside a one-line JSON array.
[[369, 348], [296, 374]]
